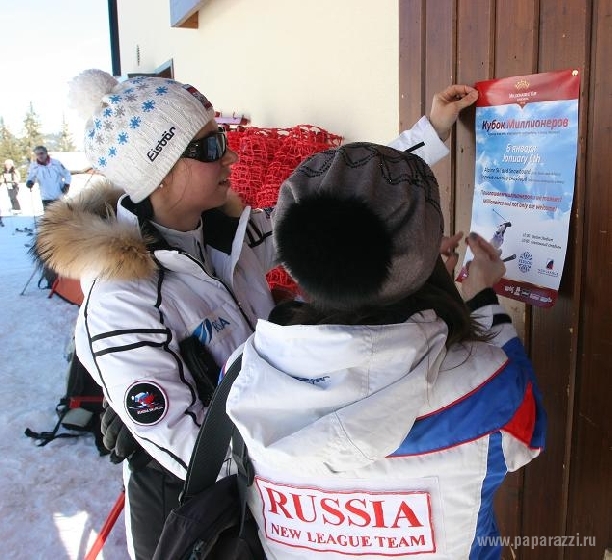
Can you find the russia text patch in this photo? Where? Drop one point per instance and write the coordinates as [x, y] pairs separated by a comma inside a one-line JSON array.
[[349, 522], [146, 403]]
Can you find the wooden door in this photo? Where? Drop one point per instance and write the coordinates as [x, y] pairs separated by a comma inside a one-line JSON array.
[[567, 491]]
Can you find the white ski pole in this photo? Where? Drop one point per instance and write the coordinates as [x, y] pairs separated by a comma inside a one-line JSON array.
[[32, 206]]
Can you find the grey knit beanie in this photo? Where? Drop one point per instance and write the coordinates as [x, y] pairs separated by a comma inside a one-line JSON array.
[[137, 130], [359, 225]]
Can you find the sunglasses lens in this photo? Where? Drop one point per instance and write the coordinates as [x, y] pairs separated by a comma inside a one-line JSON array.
[[207, 149], [215, 146]]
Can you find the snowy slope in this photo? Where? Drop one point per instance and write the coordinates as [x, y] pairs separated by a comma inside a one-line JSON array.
[[54, 499]]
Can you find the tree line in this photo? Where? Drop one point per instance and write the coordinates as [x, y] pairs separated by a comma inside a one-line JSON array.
[[20, 148]]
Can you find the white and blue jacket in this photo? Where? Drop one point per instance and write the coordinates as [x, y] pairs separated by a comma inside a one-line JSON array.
[[377, 442]]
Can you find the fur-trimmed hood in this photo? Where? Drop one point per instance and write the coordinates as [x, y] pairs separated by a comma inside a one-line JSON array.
[[82, 236]]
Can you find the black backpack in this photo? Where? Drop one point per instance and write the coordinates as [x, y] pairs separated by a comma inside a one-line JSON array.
[[78, 410], [213, 521]]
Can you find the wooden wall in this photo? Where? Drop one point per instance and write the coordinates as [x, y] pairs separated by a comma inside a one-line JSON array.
[[568, 490]]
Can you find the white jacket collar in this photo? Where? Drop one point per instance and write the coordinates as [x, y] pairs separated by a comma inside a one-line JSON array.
[[329, 387]]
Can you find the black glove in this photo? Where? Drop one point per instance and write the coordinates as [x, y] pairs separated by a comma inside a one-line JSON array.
[[29, 184], [116, 437]]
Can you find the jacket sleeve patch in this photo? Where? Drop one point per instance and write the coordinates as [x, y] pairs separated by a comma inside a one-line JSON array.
[[146, 403]]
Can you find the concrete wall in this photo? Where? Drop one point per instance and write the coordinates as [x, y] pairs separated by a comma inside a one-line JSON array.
[[329, 63]]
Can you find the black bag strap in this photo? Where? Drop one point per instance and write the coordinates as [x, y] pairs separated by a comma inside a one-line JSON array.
[[246, 474], [45, 437], [213, 439]]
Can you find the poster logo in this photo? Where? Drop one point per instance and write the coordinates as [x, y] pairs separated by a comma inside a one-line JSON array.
[[549, 269], [525, 261], [522, 84]]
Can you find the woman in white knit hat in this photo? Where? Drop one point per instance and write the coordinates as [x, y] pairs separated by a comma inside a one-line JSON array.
[[172, 269]]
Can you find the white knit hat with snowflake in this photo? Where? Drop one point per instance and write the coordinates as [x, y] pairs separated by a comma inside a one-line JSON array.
[[136, 130]]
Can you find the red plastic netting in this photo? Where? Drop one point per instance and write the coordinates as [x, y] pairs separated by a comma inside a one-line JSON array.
[[267, 156]]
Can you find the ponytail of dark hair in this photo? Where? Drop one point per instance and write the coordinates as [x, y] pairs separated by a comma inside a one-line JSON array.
[[439, 293]]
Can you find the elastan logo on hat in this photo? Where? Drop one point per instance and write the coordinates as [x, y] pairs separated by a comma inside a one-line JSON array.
[[163, 141]]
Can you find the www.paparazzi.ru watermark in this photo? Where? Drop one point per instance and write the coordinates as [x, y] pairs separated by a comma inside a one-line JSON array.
[[534, 541]]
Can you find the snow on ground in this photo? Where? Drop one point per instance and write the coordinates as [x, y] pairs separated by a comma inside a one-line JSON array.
[[55, 499]]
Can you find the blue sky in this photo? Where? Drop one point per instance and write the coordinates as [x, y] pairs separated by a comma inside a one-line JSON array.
[[43, 44]]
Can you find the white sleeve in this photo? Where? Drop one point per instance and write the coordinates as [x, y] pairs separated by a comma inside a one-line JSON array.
[[433, 149], [494, 320], [144, 360], [66, 175], [32, 172]]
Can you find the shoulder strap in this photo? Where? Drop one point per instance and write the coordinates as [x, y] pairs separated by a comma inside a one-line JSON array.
[[213, 440]]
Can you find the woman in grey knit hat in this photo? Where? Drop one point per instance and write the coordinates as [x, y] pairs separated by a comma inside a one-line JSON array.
[[398, 408]]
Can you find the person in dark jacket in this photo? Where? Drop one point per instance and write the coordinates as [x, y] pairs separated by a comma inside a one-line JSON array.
[[11, 179]]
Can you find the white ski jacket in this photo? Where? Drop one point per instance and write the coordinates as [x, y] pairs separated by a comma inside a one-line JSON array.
[[376, 442], [51, 178], [128, 332]]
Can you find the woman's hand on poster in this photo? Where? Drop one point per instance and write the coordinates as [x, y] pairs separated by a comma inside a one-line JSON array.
[[484, 270], [446, 106], [448, 250]]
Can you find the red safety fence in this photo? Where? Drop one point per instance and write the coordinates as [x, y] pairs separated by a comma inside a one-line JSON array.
[[267, 158]]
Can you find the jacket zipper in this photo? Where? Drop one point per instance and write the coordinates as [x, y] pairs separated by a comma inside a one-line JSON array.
[[230, 292]]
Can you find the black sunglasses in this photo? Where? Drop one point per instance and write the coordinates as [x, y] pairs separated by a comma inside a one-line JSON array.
[[207, 149]]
